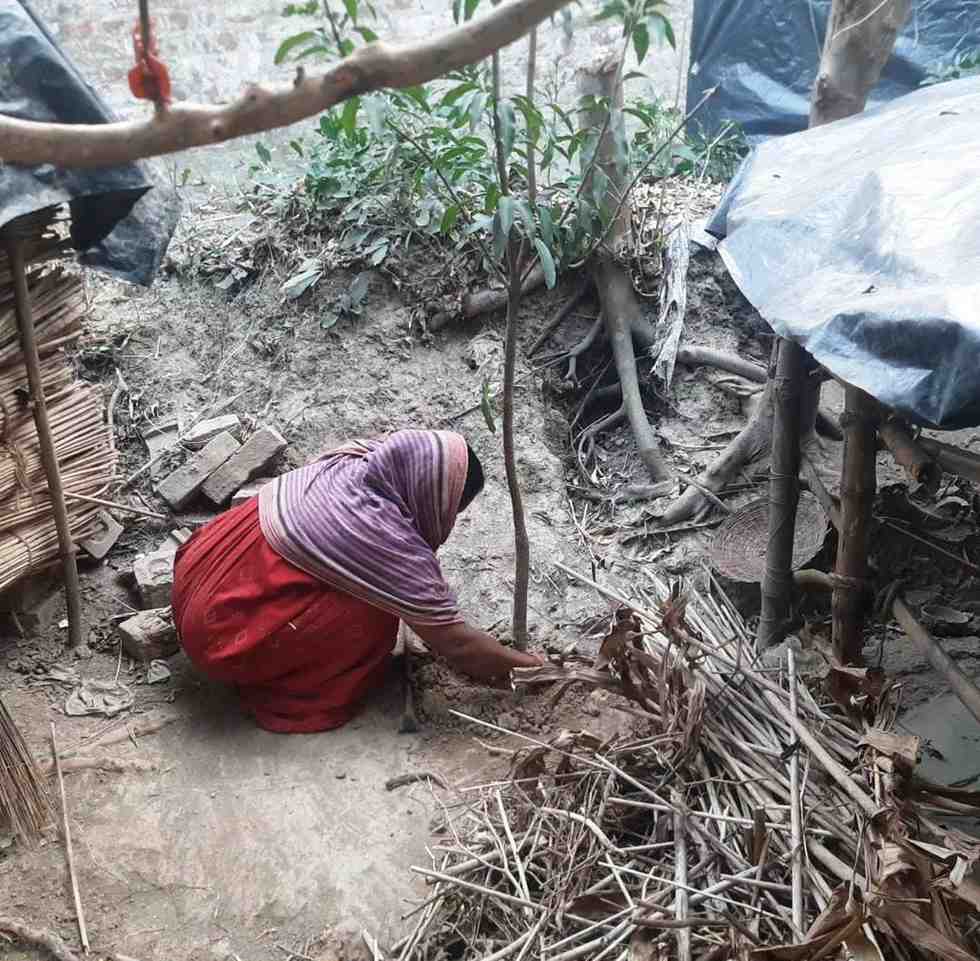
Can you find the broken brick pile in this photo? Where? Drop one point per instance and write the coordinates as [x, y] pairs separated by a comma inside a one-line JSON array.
[[221, 470]]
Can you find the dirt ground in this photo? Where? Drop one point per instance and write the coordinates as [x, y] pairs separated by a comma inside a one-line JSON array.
[[247, 846]]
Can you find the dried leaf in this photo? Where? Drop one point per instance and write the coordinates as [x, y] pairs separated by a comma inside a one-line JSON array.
[[922, 934], [625, 627], [596, 907], [901, 747]]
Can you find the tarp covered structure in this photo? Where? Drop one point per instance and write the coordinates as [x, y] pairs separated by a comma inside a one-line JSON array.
[[860, 240], [119, 224], [763, 55]]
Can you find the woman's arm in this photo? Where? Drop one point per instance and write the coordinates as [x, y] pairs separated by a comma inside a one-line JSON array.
[[474, 652]]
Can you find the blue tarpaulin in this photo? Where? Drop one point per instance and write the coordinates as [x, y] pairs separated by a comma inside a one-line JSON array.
[[763, 56], [860, 240]]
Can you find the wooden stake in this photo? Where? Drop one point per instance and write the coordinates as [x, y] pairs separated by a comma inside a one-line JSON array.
[[69, 852], [857, 498], [784, 493], [22, 302]]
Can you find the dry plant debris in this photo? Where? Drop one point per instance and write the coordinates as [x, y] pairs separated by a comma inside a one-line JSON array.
[[678, 839]]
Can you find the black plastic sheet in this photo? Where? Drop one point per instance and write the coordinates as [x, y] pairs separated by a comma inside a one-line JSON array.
[[860, 240], [763, 56], [119, 223]]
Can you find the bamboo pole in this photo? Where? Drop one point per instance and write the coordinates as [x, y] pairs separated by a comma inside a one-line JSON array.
[[910, 456], [784, 493], [857, 497], [22, 300]]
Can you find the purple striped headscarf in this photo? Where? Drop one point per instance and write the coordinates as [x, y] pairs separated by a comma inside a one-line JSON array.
[[368, 517]]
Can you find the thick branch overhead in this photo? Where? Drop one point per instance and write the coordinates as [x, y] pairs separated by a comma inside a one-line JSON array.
[[377, 66]]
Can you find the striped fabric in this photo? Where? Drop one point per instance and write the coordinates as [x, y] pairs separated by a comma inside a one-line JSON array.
[[367, 518]]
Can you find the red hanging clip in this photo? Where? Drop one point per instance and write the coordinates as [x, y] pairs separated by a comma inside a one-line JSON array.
[[148, 79]]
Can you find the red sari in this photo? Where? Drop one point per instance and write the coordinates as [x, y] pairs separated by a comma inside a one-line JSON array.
[[302, 654]]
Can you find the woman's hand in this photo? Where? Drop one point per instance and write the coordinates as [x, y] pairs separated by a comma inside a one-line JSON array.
[[474, 652]]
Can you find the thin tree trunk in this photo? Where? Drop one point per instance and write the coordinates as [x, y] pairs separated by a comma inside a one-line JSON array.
[[522, 548], [620, 307]]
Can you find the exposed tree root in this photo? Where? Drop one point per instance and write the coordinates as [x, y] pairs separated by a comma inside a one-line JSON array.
[[560, 315], [571, 375], [618, 303], [751, 445]]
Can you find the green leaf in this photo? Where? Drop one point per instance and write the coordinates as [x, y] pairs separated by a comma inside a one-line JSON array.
[[449, 218], [307, 9], [367, 34], [635, 75], [662, 29], [505, 210], [329, 319], [348, 119], [477, 106], [486, 407], [499, 237], [508, 130], [641, 41], [351, 7], [547, 225], [297, 147], [457, 10], [470, 8], [456, 93], [526, 217], [263, 151], [547, 263], [317, 48], [491, 197], [610, 10], [297, 285], [359, 287], [290, 43], [346, 47], [378, 254], [419, 95]]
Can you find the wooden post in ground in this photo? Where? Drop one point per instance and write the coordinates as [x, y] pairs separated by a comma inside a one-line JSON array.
[[25, 323], [784, 493], [857, 495]]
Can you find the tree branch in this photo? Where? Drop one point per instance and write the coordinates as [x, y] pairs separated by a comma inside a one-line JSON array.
[[376, 66]]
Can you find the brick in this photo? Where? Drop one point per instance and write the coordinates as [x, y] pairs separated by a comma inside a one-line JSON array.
[[159, 438], [149, 635], [198, 435], [179, 488], [249, 491], [106, 532], [154, 575], [255, 456]]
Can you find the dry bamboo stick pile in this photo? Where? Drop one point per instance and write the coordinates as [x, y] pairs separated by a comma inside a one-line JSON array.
[[734, 818], [82, 442]]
